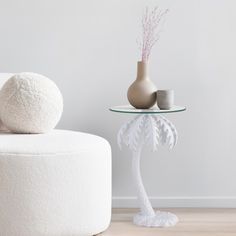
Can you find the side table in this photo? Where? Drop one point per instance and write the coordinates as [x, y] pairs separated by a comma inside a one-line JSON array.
[[148, 127]]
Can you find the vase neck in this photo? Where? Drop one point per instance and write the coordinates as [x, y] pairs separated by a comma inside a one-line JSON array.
[[142, 70]]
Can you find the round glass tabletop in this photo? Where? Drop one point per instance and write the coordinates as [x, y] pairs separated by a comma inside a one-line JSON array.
[[154, 110]]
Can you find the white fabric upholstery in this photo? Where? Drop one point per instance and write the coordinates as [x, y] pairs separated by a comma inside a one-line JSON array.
[[54, 184]]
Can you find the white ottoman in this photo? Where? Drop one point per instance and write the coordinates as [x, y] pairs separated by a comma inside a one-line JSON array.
[[54, 184]]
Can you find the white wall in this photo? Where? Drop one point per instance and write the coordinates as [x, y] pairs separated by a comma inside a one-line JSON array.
[[89, 49]]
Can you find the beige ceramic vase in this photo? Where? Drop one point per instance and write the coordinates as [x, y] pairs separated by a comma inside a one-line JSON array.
[[142, 92]]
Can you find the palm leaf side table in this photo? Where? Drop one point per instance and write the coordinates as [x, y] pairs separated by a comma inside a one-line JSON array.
[[148, 127]]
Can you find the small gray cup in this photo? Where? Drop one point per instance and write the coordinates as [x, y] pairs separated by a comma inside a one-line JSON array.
[[165, 99]]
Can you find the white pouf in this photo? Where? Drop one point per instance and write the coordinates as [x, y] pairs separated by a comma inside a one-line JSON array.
[[54, 184]]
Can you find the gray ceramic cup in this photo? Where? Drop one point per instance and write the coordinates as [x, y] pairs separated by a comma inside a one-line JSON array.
[[165, 99]]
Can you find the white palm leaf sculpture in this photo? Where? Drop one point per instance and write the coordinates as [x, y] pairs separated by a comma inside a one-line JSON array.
[[134, 135], [167, 132], [152, 133], [122, 134], [173, 130], [147, 129], [122, 131]]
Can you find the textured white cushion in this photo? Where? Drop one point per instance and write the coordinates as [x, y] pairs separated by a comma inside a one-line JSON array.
[[54, 184], [30, 103]]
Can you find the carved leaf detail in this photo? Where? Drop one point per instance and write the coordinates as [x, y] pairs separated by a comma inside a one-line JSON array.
[[147, 129], [173, 129], [122, 132], [168, 133], [152, 132], [134, 135]]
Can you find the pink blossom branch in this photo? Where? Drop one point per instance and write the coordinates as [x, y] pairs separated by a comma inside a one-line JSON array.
[[150, 30]]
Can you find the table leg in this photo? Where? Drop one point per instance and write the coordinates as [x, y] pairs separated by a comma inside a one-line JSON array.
[[135, 134], [147, 216]]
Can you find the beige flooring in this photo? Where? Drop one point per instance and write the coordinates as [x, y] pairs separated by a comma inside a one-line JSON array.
[[193, 222]]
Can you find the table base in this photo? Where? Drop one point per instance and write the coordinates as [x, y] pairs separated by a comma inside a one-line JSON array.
[[160, 219]]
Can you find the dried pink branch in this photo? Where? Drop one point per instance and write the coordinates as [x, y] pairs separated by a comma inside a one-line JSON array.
[[151, 21]]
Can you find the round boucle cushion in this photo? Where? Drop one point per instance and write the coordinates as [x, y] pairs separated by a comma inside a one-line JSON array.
[[54, 184], [30, 103]]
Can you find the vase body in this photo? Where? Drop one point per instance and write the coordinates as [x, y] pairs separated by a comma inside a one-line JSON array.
[[142, 92]]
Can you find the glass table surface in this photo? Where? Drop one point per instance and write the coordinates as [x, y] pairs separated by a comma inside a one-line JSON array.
[[154, 110]]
